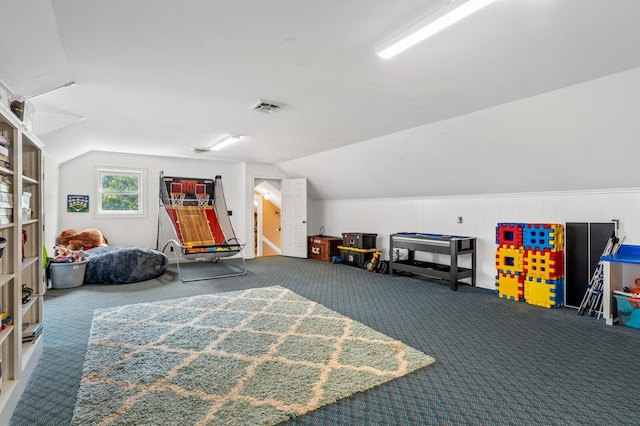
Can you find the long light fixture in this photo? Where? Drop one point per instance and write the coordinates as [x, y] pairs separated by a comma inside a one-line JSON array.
[[224, 142], [437, 21]]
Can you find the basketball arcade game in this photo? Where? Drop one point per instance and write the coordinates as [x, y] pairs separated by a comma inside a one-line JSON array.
[[198, 213]]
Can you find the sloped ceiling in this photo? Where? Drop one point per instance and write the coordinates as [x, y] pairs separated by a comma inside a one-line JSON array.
[[582, 137], [163, 77]]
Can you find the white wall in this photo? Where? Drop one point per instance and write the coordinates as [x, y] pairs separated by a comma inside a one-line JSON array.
[[581, 140], [480, 214], [79, 176], [50, 202]]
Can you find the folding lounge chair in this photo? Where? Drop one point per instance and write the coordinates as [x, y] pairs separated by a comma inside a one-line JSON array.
[[202, 229]]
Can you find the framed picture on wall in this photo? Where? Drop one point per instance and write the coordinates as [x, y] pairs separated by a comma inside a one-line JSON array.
[[77, 203]]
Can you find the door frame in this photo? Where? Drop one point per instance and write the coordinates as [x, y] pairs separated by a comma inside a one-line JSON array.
[[257, 250], [250, 249]]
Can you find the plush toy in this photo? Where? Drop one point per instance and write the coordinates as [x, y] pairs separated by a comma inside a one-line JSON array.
[[65, 236], [89, 238], [66, 255]]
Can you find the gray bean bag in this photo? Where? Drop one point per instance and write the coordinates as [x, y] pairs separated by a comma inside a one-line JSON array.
[[123, 265]]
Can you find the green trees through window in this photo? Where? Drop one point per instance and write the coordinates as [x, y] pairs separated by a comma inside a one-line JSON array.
[[120, 192]]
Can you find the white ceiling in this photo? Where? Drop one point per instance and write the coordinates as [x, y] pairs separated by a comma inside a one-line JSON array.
[[164, 76]]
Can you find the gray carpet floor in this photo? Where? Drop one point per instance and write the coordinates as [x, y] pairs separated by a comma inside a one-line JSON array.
[[498, 361]]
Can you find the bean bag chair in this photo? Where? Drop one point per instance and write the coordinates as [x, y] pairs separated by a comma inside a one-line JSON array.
[[123, 265]]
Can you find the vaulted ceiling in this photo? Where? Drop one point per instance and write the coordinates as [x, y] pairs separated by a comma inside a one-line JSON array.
[[163, 77]]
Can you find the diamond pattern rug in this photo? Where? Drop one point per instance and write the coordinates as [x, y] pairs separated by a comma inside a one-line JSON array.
[[254, 357]]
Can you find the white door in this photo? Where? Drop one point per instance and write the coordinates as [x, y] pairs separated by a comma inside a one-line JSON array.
[[294, 217]]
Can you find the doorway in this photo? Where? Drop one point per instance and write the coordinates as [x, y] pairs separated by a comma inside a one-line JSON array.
[[267, 221]]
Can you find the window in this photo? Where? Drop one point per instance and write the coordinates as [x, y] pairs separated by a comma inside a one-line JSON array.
[[120, 192]]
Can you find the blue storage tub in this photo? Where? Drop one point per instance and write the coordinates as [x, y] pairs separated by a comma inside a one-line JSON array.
[[628, 309]]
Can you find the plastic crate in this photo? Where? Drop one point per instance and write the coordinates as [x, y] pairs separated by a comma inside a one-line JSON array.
[[356, 258], [359, 240]]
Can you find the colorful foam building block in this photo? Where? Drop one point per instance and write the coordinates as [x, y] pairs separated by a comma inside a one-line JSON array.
[[509, 235], [510, 286], [558, 237], [545, 293], [543, 237], [530, 263], [510, 260], [547, 265]]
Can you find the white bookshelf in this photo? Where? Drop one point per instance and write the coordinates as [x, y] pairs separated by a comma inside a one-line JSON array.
[[21, 262]]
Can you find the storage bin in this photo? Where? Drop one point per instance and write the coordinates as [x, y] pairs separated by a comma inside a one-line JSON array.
[[359, 240], [323, 247], [628, 309], [356, 258], [68, 275]]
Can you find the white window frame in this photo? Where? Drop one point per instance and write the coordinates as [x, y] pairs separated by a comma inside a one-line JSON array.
[[142, 178]]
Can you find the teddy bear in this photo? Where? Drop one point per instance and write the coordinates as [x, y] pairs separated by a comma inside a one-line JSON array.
[[74, 240]]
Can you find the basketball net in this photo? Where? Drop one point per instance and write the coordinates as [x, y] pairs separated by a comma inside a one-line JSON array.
[[177, 198], [203, 199]]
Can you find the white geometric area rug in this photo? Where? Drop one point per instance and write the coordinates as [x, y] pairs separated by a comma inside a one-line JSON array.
[[258, 356]]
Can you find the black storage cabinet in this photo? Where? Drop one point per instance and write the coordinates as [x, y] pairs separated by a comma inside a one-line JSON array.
[[584, 244]]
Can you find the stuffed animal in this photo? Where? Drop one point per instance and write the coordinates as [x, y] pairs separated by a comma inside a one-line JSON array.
[[65, 236], [87, 239], [66, 255]]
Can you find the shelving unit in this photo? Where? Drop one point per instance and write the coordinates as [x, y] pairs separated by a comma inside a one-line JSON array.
[[451, 246], [21, 262], [620, 270]]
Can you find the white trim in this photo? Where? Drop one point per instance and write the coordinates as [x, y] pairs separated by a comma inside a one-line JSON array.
[[272, 245], [633, 190], [257, 228]]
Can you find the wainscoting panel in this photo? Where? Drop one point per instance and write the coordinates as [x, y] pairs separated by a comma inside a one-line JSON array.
[[480, 215]]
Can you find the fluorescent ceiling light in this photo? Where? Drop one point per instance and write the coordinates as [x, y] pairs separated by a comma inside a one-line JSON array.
[[224, 142], [437, 21]]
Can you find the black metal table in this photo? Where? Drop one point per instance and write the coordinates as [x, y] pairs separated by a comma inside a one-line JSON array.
[[454, 246]]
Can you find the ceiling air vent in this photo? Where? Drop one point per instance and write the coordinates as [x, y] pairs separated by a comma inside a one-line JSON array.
[[268, 107], [199, 150]]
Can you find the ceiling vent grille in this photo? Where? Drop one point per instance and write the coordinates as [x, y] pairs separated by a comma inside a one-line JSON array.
[[199, 150], [267, 107]]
